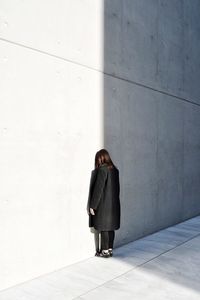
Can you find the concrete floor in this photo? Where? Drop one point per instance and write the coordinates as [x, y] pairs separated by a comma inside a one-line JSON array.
[[164, 265]]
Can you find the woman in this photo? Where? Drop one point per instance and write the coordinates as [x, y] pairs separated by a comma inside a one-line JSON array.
[[103, 204]]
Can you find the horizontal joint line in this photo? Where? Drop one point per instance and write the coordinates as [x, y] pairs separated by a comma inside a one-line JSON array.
[[105, 73], [49, 54], [151, 88]]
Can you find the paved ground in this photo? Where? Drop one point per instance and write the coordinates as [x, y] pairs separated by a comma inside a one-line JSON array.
[[164, 265]]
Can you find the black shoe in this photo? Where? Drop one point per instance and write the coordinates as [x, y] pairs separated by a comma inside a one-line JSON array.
[[104, 254], [97, 253], [111, 253]]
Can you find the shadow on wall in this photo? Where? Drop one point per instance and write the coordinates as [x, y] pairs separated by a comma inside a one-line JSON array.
[[150, 128], [152, 124]]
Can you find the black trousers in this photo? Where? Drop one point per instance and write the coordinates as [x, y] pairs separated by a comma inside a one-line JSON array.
[[104, 240], [107, 239]]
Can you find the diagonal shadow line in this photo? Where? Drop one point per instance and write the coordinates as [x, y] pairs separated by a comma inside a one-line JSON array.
[[115, 127], [138, 266]]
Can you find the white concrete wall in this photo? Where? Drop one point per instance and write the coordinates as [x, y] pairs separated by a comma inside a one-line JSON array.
[[50, 128]]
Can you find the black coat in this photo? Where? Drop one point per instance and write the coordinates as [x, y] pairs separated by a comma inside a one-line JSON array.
[[104, 199]]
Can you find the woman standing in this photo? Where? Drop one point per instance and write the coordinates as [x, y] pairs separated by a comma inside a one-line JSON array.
[[103, 204]]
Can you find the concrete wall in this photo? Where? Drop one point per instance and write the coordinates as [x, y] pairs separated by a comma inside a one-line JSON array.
[[58, 62], [51, 103], [152, 110]]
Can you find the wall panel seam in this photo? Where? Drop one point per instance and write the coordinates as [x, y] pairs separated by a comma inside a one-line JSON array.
[[97, 70], [153, 89]]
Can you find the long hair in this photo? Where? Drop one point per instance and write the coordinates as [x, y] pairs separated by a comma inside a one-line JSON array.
[[103, 157]]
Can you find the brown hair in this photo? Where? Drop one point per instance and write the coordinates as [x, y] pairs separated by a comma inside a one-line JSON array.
[[103, 157]]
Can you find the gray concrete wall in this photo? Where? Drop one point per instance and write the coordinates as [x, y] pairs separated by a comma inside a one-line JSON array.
[[152, 110]]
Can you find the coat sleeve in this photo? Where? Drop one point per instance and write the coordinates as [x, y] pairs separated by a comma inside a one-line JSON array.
[[92, 179], [98, 188]]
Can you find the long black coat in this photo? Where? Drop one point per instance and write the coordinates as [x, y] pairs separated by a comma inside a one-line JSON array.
[[104, 199]]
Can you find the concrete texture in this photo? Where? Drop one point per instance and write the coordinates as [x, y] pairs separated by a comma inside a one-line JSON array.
[[62, 30], [152, 110], [155, 43], [60, 66], [50, 128], [164, 265]]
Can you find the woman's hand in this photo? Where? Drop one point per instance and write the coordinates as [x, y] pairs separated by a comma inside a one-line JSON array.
[[92, 211]]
